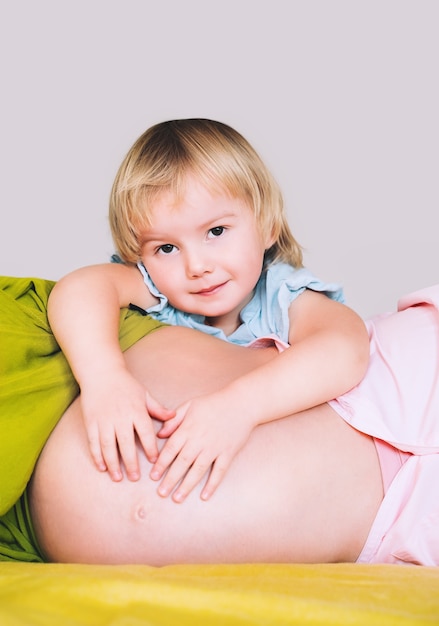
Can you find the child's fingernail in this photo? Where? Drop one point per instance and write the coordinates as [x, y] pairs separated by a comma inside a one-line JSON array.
[[155, 475]]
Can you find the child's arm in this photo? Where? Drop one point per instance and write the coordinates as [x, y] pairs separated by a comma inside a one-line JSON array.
[[83, 312], [328, 356]]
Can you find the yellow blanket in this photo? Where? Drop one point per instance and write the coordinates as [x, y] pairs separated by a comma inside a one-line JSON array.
[[89, 595]]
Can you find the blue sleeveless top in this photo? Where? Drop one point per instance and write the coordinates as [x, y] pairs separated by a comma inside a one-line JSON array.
[[265, 314]]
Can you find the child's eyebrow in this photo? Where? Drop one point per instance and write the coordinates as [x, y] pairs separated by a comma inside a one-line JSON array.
[[220, 218], [152, 236]]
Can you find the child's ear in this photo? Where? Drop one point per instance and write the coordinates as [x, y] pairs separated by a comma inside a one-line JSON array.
[[269, 239]]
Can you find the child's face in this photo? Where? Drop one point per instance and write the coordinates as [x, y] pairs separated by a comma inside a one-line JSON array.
[[204, 253]]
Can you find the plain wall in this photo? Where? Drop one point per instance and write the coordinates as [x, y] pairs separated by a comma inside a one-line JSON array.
[[340, 98]]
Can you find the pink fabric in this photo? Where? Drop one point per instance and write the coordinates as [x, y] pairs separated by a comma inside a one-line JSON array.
[[406, 528], [391, 460], [398, 402], [269, 341]]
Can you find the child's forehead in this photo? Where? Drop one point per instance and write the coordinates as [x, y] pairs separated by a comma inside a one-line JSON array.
[[193, 187]]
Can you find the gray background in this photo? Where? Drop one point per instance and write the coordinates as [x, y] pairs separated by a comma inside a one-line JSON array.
[[341, 99]]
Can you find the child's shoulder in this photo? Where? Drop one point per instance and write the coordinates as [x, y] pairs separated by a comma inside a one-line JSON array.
[[287, 279]]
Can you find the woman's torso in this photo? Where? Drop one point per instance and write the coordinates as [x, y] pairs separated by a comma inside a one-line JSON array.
[[303, 489]]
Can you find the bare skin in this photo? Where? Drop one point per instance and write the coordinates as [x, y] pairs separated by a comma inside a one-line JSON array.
[[303, 489]]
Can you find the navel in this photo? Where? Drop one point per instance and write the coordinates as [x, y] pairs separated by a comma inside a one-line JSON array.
[[140, 513]]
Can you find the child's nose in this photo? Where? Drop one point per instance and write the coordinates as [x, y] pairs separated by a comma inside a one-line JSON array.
[[198, 263]]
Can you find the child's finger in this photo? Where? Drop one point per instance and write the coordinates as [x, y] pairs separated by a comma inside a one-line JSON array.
[[147, 438], [197, 471], [171, 424], [94, 445], [168, 428], [167, 455], [175, 473], [126, 445], [218, 470], [111, 454], [157, 410]]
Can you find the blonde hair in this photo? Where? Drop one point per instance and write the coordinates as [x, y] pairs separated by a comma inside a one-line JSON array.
[[220, 157]]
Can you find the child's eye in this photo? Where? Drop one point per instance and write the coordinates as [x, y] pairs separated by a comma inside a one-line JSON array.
[[166, 248], [217, 231]]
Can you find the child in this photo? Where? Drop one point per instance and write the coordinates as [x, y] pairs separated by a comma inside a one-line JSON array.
[[198, 218]]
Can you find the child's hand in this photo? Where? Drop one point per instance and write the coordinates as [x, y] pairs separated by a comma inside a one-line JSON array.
[[115, 409], [203, 439]]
